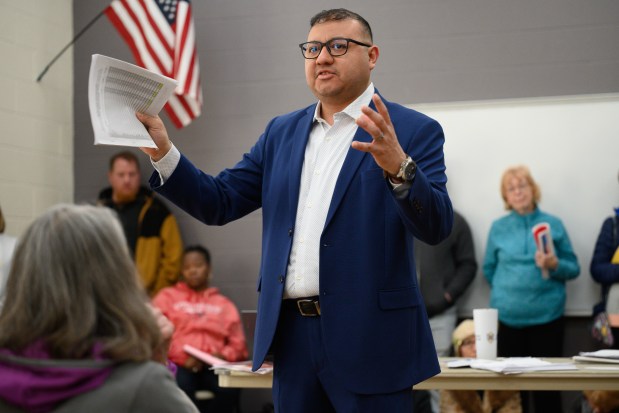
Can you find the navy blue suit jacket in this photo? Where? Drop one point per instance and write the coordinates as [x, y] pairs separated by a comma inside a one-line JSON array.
[[375, 328]]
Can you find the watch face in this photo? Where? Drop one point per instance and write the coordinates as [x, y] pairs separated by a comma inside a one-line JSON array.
[[409, 171]]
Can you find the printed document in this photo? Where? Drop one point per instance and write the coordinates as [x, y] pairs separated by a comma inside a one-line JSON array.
[[116, 91], [223, 365], [600, 356], [511, 365]]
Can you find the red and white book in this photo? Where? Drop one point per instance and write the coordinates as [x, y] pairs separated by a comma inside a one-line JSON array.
[[543, 240]]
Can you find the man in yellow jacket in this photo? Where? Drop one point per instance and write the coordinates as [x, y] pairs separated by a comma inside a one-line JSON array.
[[150, 228]]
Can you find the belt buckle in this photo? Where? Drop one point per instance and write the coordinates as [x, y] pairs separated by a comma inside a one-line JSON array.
[[315, 303]]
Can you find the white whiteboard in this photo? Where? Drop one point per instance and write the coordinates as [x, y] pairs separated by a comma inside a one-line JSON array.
[[571, 145]]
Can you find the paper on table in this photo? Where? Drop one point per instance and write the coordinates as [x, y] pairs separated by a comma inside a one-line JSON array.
[[516, 365], [221, 364], [606, 353], [204, 356], [589, 359], [116, 91], [600, 356], [457, 363], [244, 366], [603, 368]]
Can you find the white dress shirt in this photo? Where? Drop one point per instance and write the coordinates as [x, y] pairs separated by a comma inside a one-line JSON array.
[[324, 156]]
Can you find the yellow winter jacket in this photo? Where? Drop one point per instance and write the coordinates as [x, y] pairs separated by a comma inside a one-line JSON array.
[[159, 248]]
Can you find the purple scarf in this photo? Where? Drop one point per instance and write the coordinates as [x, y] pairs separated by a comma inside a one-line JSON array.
[[32, 381]]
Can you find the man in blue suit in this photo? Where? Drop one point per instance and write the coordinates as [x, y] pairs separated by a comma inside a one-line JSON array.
[[344, 186]]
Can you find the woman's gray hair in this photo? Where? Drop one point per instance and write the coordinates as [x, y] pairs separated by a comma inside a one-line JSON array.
[[73, 286]]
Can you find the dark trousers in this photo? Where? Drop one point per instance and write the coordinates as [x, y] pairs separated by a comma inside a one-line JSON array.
[[544, 340], [226, 399], [615, 333], [303, 381]]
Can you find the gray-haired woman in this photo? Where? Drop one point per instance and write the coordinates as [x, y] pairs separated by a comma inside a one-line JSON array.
[[76, 332]]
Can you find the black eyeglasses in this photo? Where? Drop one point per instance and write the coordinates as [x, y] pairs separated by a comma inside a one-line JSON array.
[[336, 47]]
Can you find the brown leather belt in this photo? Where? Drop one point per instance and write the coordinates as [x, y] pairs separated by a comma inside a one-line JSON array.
[[307, 307]]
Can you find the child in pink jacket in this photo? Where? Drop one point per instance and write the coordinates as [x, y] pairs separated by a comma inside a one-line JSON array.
[[206, 320]]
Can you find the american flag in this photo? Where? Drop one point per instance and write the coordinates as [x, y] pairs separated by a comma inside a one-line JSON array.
[[161, 35]]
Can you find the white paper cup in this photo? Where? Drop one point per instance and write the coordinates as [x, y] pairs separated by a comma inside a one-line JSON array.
[[486, 327]]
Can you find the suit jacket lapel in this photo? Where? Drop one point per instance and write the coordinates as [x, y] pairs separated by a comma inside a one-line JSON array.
[[349, 169]]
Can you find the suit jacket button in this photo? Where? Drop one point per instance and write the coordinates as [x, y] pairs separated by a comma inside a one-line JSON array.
[[281, 279]]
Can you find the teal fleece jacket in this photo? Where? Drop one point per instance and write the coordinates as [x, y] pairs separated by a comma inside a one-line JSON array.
[[517, 289]]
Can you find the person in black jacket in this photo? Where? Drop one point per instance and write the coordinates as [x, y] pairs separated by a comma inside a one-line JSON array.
[[445, 271], [605, 265], [605, 270], [151, 230]]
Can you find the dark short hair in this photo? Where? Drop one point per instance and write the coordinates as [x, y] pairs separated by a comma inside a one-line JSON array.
[[341, 14], [127, 156], [201, 250]]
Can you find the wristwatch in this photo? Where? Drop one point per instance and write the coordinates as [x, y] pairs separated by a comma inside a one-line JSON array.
[[408, 167]]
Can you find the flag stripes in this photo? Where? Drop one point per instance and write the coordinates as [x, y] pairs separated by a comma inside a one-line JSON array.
[[161, 36]]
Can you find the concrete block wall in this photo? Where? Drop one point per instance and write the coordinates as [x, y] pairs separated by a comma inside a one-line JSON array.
[[36, 135]]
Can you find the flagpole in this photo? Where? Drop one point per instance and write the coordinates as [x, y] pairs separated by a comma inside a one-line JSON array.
[[77, 36]]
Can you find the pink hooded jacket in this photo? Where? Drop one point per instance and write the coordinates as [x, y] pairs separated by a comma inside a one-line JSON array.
[[205, 320]]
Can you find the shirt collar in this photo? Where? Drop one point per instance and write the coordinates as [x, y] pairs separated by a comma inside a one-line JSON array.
[[354, 109]]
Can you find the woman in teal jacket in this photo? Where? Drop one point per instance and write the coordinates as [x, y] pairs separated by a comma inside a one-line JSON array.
[[528, 285]]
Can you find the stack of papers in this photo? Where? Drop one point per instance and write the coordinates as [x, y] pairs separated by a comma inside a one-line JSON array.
[[600, 356], [245, 366], [204, 356], [512, 365], [116, 91], [220, 364]]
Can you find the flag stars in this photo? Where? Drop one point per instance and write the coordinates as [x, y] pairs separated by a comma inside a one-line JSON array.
[[168, 7]]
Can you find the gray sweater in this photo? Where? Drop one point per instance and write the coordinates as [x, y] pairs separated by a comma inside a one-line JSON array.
[[448, 267], [131, 388]]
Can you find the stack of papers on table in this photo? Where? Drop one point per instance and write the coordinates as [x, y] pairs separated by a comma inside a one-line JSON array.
[[512, 365], [600, 356], [245, 366], [221, 364]]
